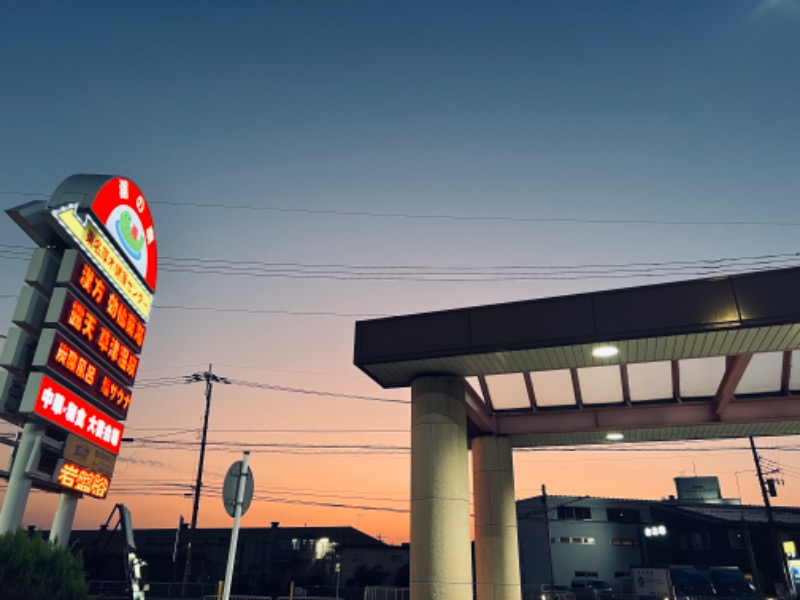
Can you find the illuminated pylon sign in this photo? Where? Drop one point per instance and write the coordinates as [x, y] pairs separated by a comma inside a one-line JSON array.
[[72, 354]]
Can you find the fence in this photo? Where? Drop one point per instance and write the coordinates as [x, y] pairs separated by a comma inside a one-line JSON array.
[[235, 597], [386, 593]]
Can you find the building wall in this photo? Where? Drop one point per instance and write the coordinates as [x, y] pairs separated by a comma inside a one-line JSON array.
[[580, 538]]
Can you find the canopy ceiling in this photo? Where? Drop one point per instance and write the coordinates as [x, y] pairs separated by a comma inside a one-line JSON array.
[[696, 359]]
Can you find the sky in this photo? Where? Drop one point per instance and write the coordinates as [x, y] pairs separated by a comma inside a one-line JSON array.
[[309, 164]]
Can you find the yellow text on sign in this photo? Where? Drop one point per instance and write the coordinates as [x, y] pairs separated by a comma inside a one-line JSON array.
[[103, 254]]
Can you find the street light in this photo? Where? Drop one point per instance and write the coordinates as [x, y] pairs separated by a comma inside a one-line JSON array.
[[652, 531], [655, 531]]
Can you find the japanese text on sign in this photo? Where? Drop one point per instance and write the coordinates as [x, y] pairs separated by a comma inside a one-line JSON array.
[[66, 360], [94, 290], [88, 455], [108, 259], [61, 407], [83, 480], [76, 317]]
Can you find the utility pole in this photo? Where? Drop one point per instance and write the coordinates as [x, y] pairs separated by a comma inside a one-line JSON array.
[[777, 547], [210, 379], [547, 533]]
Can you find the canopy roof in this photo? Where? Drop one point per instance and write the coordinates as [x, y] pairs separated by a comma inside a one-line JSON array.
[[696, 359]]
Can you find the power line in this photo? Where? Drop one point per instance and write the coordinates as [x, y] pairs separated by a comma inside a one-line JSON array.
[[256, 311], [449, 274], [454, 217], [280, 388], [180, 380], [448, 216]]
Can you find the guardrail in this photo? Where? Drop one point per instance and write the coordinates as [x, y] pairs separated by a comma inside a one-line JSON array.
[[386, 593]]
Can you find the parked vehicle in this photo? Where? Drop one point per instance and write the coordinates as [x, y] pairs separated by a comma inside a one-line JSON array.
[[691, 583], [592, 589], [731, 583], [553, 592]]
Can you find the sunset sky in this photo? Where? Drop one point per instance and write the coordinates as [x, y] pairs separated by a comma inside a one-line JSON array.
[[310, 164]]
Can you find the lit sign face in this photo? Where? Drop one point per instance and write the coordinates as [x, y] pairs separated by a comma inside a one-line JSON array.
[[85, 325], [62, 357], [85, 454], [57, 405], [95, 291], [81, 479], [122, 209], [106, 257]]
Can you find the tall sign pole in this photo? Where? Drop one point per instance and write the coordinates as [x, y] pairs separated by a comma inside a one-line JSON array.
[[71, 357]]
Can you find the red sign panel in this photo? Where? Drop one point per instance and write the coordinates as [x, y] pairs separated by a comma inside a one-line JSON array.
[[122, 209], [81, 479], [77, 319], [78, 369], [80, 321], [95, 291], [61, 407]]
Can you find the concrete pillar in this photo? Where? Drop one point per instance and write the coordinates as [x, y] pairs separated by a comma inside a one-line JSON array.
[[496, 543], [441, 561], [63, 519], [19, 485]]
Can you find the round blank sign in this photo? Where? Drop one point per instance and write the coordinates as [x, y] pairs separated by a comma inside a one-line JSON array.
[[229, 488]]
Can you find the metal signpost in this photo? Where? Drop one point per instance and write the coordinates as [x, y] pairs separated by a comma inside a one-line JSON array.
[[237, 493]]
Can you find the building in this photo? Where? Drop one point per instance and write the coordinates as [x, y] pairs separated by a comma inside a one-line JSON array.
[[567, 537], [268, 558]]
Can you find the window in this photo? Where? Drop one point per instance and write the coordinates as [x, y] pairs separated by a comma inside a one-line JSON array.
[[578, 540], [624, 515], [624, 542], [574, 513], [736, 540], [698, 540]]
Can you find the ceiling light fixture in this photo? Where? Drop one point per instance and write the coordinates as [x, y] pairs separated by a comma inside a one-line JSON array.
[[605, 351]]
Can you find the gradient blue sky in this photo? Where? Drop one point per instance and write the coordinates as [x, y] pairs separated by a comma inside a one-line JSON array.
[[628, 110]]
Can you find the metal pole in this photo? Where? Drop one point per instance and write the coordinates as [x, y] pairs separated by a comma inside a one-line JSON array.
[[63, 519], [643, 542], [237, 515], [751, 557], [19, 485], [547, 541], [209, 377], [778, 548], [175, 550]]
